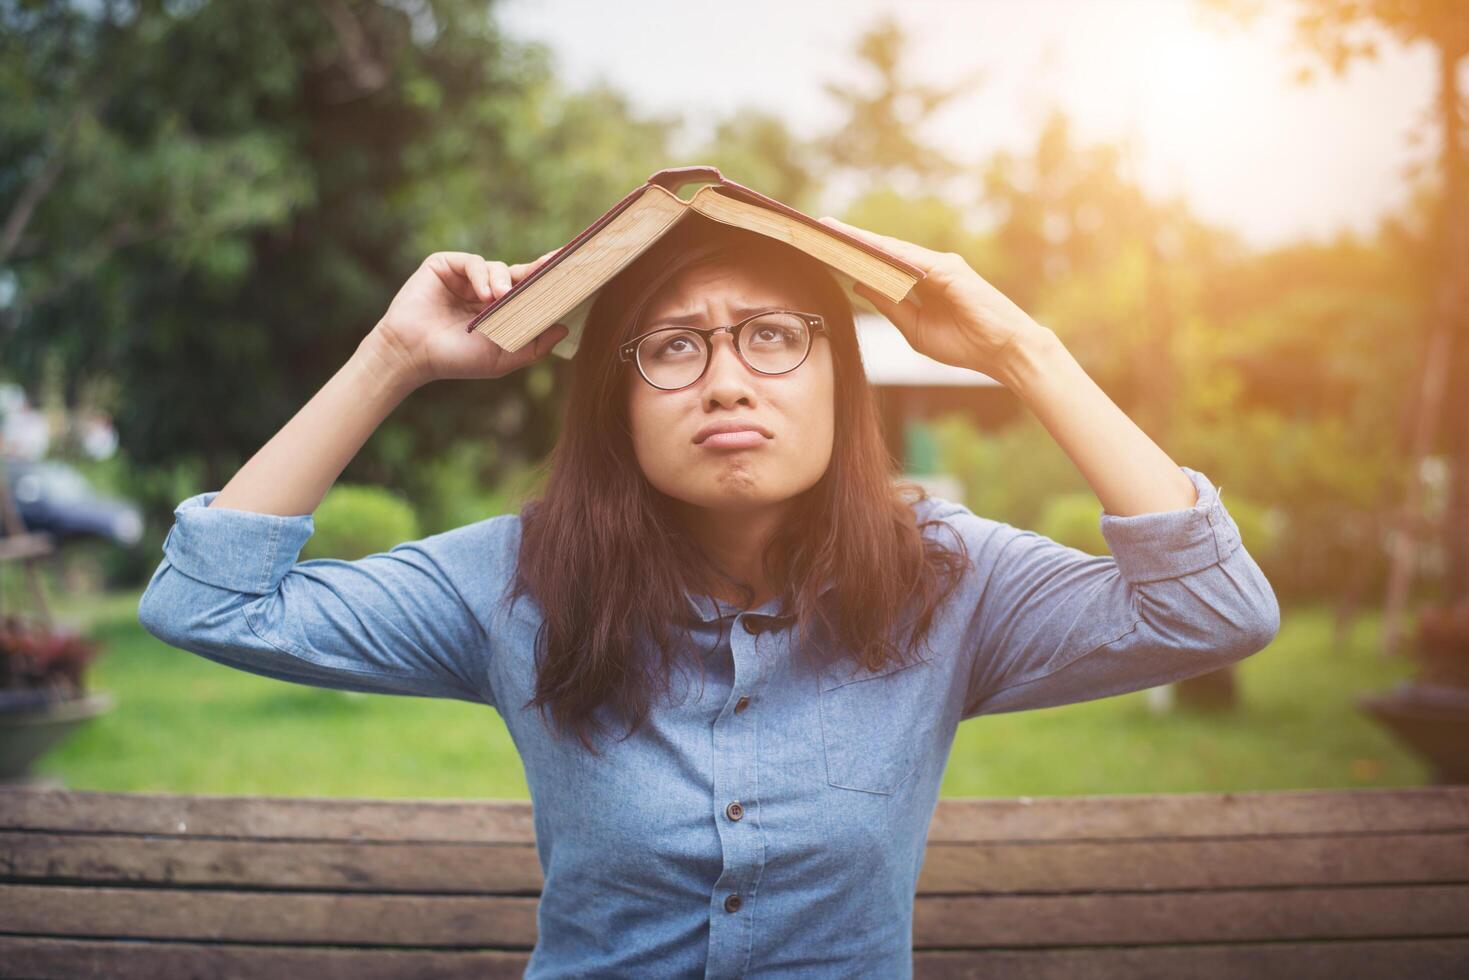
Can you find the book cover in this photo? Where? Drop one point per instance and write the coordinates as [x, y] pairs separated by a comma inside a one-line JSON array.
[[672, 180]]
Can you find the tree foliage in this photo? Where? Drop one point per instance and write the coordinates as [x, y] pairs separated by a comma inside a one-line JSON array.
[[237, 190]]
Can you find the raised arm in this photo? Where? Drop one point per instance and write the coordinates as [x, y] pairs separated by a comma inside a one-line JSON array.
[[1179, 596], [419, 339], [411, 620], [1049, 624]]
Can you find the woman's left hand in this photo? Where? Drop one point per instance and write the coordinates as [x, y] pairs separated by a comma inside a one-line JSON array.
[[964, 321]]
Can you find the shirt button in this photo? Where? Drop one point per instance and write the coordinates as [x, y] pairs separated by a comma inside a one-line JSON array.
[[732, 903], [734, 811], [741, 704]]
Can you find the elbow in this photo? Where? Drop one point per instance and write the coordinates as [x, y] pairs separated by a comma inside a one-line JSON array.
[[1250, 610], [1254, 629], [172, 610], [1265, 626], [156, 616]]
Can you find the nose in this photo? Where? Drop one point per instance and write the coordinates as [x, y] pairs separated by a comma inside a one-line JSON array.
[[727, 382], [722, 353]]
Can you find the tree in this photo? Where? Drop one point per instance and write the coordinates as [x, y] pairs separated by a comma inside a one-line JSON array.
[[1342, 32], [757, 148], [879, 137], [209, 204]]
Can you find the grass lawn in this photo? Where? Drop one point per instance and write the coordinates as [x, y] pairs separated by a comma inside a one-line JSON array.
[[186, 724]]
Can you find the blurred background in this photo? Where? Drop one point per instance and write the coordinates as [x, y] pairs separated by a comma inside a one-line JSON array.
[[1247, 220]]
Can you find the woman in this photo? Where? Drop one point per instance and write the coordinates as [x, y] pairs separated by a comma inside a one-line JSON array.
[[731, 651]]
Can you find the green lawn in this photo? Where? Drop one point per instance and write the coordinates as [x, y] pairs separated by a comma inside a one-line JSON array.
[[185, 724]]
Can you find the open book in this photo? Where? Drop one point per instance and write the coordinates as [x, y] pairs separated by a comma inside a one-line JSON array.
[[564, 287]]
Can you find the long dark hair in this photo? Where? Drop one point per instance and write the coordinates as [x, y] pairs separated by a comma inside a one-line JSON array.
[[607, 560]]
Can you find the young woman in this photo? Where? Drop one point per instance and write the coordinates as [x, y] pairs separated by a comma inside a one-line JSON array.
[[730, 649]]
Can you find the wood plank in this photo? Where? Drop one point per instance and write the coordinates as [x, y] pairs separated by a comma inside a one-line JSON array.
[[939, 921], [73, 959], [498, 922], [1064, 866], [1168, 918], [1411, 959], [1335, 811], [89, 959], [28, 545], [1123, 816], [476, 869], [276, 817]]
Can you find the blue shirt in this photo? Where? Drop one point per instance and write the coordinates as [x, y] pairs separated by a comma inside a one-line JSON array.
[[650, 868]]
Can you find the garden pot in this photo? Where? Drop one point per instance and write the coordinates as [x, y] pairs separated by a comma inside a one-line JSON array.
[[1432, 720], [29, 731]]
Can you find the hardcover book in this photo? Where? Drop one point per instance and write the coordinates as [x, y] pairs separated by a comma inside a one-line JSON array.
[[564, 287]]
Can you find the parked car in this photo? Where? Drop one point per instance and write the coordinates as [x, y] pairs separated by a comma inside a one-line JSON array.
[[53, 497]]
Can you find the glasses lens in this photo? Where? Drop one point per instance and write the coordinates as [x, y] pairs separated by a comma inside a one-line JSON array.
[[775, 342], [671, 358], [772, 343]]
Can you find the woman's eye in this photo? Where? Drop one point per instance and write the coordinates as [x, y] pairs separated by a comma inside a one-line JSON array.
[[674, 346]]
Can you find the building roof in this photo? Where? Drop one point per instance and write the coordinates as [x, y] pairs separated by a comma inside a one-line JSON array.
[[890, 360]]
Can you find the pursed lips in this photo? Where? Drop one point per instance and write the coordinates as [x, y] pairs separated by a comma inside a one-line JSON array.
[[736, 432]]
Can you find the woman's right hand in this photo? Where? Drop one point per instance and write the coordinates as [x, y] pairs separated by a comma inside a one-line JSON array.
[[422, 334]]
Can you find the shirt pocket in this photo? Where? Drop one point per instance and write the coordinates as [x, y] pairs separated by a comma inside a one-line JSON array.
[[869, 727]]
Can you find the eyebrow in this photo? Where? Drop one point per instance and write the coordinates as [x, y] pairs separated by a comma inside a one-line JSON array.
[[690, 319]]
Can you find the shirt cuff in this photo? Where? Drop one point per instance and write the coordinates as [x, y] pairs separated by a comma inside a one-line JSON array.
[[1170, 543], [239, 550]]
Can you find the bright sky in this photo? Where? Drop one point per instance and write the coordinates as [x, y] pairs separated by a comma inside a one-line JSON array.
[[1215, 112]]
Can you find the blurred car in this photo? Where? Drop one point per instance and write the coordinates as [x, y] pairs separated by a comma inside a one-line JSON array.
[[53, 497]]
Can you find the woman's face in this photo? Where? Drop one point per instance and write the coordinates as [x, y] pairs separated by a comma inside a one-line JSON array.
[[794, 410]]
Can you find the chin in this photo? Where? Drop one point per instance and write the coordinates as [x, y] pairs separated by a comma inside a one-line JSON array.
[[730, 491]]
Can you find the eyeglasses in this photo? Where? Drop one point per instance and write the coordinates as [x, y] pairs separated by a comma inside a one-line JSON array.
[[773, 342]]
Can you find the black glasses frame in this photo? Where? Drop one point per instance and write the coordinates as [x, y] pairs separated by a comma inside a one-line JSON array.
[[815, 322]]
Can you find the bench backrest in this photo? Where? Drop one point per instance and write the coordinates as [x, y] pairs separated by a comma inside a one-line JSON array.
[[1334, 883]]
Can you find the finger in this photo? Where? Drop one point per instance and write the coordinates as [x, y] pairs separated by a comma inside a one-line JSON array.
[[522, 269], [452, 268], [924, 258], [549, 338], [499, 274], [903, 315], [533, 351], [480, 274]]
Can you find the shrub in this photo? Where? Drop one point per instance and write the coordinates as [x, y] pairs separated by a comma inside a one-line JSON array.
[[36, 657], [355, 521], [1442, 648], [1074, 519]]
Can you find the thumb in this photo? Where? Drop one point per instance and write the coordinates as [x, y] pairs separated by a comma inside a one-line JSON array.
[[549, 338], [903, 315], [511, 361]]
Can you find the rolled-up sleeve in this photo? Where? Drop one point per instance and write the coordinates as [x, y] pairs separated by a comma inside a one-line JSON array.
[[1048, 624], [405, 621]]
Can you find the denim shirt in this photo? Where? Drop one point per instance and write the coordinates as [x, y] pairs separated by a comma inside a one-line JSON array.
[[770, 818]]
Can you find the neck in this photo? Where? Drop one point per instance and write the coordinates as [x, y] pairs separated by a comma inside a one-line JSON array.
[[735, 542]]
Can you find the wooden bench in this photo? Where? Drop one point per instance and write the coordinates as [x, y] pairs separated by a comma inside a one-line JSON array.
[[1298, 884]]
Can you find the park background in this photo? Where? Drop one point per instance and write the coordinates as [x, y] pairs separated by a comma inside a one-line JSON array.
[[1245, 220]]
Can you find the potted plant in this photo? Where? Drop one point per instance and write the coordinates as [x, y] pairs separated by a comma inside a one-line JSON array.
[[1431, 712], [43, 696]]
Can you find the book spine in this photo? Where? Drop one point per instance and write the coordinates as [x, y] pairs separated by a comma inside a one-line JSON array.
[[561, 253]]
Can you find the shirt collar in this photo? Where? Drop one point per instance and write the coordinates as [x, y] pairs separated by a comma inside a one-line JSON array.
[[707, 609]]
